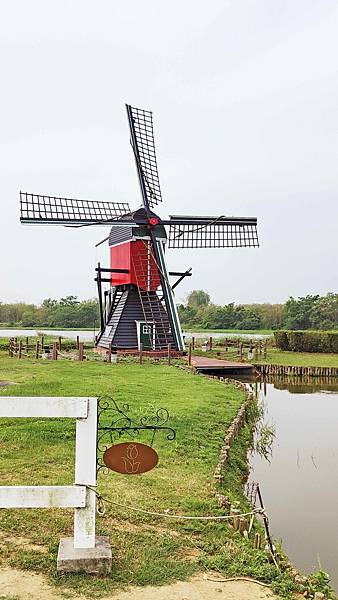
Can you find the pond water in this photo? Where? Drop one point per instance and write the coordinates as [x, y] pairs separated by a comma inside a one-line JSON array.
[[205, 335], [85, 336], [300, 484], [88, 336]]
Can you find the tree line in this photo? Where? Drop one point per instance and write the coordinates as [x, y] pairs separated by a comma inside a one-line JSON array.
[[308, 312], [66, 312]]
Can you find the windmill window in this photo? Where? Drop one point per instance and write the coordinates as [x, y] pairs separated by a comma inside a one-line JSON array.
[[146, 329]]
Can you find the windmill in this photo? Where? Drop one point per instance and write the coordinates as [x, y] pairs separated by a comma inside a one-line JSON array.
[[139, 306]]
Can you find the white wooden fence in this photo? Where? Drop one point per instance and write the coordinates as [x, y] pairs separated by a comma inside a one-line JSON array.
[[76, 496]]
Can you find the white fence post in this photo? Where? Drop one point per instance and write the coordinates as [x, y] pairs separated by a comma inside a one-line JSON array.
[[85, 551], [85, 474], [77, 496]]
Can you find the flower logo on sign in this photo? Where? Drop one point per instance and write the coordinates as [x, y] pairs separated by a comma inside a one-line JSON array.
[[129, 460]]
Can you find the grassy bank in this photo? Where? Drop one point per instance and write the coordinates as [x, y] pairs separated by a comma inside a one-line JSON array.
[[275, 356], [299, 359], [145, 550]]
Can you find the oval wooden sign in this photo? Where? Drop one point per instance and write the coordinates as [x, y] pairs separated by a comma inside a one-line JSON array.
[[130, 458]]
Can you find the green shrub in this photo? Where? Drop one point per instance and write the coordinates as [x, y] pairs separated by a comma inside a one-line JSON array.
[[333, 341], [307, 341], [281, 340], [296, 341]]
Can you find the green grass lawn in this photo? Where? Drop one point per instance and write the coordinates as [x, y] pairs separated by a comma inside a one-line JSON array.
[[274, 356], [145, 550], [300, 359]]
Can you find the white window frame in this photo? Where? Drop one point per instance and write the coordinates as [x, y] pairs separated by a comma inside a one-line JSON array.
[[138, 326]]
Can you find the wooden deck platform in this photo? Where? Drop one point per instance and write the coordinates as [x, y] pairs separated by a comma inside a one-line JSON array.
[[219, 367]]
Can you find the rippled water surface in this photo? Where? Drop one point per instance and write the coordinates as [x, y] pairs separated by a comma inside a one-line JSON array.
[[300, 485]]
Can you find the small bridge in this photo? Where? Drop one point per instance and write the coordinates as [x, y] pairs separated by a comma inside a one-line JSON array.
[[221, 367]]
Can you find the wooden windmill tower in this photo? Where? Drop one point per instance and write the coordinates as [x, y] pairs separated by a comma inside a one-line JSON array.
[[139, 306]]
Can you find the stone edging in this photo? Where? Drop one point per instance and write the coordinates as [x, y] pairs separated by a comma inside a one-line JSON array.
[[233, 428]]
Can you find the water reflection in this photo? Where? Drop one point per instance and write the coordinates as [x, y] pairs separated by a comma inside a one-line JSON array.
[[300, 483], [299, 385]]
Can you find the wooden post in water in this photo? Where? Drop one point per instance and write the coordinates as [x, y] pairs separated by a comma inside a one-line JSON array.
[[54, 351], [193, 342], [77, 342], [210, 343], [266, 524], [60, 342], [141, 353], [189, 355], [169, 353], [81, 352]]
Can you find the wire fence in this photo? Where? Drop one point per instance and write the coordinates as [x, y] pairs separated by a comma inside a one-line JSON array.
[[231, 348], [45, 347]]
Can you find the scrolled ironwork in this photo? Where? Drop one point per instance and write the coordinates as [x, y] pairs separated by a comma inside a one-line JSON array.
[[114, 422]]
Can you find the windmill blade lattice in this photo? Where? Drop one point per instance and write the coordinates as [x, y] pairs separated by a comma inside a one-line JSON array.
[[138, 311], [35, 208], [142, 141], [212, 232]]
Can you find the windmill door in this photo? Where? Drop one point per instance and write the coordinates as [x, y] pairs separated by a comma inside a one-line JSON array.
[[146, 334]]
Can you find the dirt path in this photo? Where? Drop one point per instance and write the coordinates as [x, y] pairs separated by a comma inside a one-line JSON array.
[[29, 586]]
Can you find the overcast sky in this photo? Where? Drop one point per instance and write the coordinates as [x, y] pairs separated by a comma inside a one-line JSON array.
[[245, 101]]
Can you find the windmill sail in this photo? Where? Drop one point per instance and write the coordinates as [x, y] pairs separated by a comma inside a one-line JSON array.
[[212, 232], [37, 209], [139, 309], [143, 144]]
